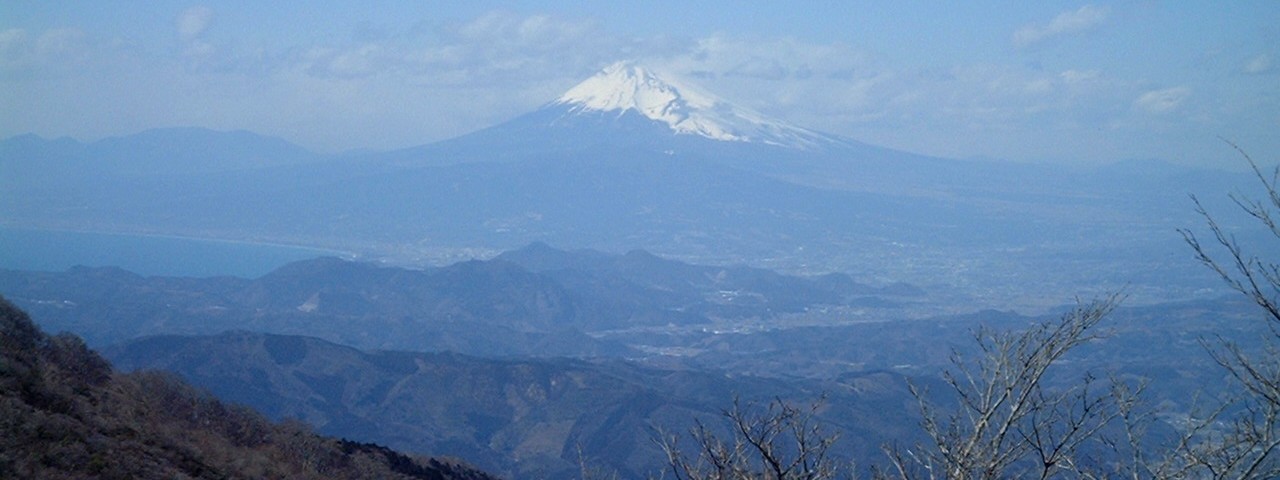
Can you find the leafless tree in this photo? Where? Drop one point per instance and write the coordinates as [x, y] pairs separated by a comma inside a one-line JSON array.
[[1008, 423], [1243, 441], [777, 442]]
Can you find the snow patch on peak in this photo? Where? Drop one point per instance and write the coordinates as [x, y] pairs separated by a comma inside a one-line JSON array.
[[625, 86]]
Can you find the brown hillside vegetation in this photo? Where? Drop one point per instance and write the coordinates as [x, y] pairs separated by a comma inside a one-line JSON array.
[[64, 413]]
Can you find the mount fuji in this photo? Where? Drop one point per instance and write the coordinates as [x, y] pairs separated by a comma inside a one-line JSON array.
[[629, 107], [628, 158], [625, 89]]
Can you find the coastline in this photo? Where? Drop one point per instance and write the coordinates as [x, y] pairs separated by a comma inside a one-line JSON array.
[[346, 254], [149, 254]]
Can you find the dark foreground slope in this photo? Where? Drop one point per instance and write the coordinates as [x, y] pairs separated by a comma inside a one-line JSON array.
[[64, 413]]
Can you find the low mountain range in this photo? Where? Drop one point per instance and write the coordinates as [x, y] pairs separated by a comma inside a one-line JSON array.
[[530, 413], [534, 301], [521, 418]]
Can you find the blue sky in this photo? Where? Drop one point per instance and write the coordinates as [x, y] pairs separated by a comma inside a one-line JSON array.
[[1066, 82]]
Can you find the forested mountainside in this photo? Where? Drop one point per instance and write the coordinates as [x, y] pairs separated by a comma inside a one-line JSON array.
[[533, 301], [516, 417], [65, 413]]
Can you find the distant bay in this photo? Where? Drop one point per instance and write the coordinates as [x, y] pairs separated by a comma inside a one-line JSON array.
[[50, 250]]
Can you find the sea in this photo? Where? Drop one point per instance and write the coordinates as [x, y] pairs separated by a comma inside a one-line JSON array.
[[149, 255]]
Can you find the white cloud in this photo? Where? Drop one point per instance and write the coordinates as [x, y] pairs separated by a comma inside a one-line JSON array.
[[1259, 64], [194, 21], [13, 47], [414, 84], [197, 50], [1085, 18], [498, 47], [58, 48], [354, 62], [837, 88], [1074, 77], [768, 59], [61, 42], [1162, 101], [778, 76], [503, 30], [1038, 86], [12, 39]]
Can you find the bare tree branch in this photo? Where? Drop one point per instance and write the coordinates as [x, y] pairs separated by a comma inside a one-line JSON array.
[[1247, 443], [1008, 422], [779, 442]]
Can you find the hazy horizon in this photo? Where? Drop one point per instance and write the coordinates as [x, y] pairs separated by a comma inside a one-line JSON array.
[[1067, 83]]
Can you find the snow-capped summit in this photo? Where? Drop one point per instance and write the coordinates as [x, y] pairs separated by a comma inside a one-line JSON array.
[[627, 87]]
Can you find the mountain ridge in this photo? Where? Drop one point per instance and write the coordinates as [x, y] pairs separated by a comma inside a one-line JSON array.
[[155, 151], [534, 301], [520, 417]]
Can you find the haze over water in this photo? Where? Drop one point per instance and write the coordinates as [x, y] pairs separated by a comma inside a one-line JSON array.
[[44, 250]]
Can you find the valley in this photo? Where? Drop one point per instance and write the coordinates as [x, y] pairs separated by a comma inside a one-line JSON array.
[[527, 362], [567, 288]]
